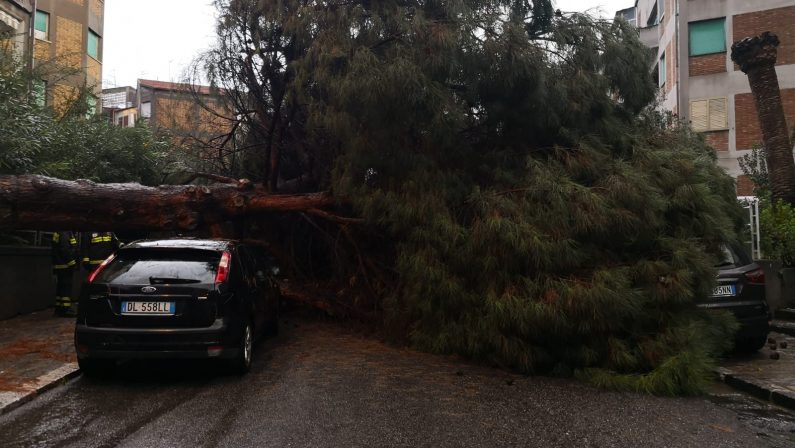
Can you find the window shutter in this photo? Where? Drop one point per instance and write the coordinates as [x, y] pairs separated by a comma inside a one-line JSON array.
[[698, 115], [707, 37], [718, 114]]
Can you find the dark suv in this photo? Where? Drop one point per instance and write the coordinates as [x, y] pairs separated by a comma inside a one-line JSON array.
[[741, 290], [177, 298]]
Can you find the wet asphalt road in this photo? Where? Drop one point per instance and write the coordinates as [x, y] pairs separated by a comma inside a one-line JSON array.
[[319, 385]]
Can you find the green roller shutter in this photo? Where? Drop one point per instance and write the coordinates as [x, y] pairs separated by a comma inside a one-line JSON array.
[[42, 25], [93, 45], [708, 37]]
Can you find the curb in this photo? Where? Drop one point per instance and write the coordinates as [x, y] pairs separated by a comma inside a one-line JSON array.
[[783, 326], [762, 391], [55, 378]]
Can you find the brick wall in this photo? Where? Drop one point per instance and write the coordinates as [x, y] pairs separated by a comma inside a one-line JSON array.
[[747, 120], [707, 64], [69, 43], [745, 187], [41, 50], [93, 73], [780, 21], [719, 140], [63, 97]]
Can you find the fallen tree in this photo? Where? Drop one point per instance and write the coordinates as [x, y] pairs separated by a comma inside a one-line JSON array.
[[522, 203], [43, 203]]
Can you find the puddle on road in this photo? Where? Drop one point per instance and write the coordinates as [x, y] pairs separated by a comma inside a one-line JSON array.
[[774, 424]]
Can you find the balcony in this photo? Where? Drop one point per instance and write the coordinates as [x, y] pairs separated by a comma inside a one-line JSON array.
[[650, 36]]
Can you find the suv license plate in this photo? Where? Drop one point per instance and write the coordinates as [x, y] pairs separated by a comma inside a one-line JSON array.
[[724, 291], [148, 308]]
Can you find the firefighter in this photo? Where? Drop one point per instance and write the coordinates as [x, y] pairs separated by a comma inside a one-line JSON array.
[[97, 247], [64, 253]]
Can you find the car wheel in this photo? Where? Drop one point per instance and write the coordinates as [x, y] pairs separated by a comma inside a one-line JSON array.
[[96, 368], [242, 361]]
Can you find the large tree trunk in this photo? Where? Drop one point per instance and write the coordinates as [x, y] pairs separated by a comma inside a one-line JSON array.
[[43, 203], [756, 56]]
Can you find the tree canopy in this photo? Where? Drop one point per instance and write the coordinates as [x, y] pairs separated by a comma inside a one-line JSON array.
[[531, 208], [69, 145], [522, 202]]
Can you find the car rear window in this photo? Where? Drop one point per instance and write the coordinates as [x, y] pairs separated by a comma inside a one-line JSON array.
[[152, 266], [732, 256]]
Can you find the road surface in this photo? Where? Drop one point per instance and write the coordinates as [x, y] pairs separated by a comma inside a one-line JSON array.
[[317, 385]]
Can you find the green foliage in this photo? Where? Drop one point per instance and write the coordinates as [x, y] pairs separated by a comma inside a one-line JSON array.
[[33, 140], [776, 221], [534, 210], [754, 165], [777, 225]]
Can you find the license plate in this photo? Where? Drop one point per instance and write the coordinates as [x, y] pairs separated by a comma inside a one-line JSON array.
[[148, 308], [724, 291]]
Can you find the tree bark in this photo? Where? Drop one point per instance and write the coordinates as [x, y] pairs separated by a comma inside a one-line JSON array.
[[43, 203], [756, 57]]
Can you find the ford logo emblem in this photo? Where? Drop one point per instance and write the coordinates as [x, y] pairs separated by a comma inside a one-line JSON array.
[[148, 289]]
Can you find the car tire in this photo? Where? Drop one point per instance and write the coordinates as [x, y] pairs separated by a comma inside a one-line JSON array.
[[241, 363], [96, 368]]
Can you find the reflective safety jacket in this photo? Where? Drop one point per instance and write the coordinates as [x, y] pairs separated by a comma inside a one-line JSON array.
[[98, 247], [64, 250]]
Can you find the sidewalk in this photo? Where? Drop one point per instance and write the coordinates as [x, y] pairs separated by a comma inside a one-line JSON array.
[[36, 353], [765, 378]]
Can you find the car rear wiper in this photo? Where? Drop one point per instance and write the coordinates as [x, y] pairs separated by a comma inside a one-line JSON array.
[[169, 280]]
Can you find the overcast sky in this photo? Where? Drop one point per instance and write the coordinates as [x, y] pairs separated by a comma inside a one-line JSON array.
[[157, 39]]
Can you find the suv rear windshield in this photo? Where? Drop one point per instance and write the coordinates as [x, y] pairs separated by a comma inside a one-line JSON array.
[[153, 266]]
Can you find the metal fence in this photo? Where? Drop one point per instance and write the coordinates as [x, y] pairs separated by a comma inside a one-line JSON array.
[[753, 236]]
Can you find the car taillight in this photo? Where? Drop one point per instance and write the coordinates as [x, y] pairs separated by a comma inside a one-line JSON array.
[[100, 268], [756, 276], [223, 268]]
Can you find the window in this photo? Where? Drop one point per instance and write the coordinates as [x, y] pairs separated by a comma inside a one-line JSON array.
[[663, 75], [629, 15], [146, 110], [39, 93], [708, 37], [140, 266], [41, 25], [652, 20], [709, 115], [660, 10], [93, 45], [91, 103]]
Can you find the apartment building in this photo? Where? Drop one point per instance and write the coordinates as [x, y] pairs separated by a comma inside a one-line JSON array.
[[15, 24], [189, 113], [68, 40], [691, 40], [118, 104]]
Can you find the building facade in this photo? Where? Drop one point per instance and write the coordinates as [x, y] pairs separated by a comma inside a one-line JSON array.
[[190, 114], [692, 40], [67, 47], [118, 104], [15, 24]]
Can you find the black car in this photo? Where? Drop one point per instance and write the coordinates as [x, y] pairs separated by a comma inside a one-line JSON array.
[[741, 290], [176, 298]]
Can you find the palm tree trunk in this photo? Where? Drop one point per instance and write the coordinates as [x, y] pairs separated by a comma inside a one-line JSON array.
[[756, 57]]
